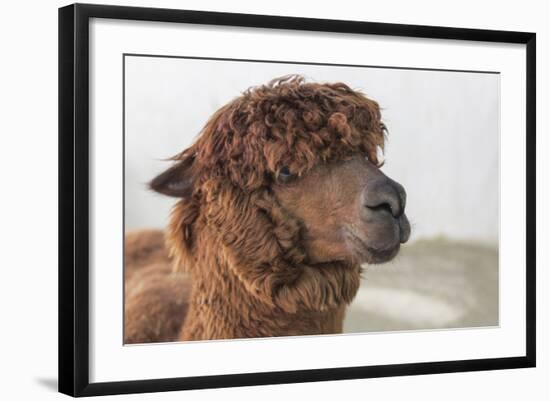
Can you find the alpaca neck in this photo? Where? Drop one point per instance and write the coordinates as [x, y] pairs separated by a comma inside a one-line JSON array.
[[221, 307]]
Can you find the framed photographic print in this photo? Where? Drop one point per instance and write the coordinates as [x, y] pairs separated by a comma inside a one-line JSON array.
[[250, 199]]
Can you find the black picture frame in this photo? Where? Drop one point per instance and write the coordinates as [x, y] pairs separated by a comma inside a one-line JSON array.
[[74, 198]]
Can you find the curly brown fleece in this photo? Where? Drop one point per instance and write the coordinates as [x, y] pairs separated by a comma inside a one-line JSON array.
[[251, 276]]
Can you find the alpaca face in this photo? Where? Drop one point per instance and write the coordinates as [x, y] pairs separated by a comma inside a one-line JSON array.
[[350, 210]]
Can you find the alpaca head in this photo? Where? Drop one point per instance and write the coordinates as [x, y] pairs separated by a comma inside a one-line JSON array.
[[283, 185]]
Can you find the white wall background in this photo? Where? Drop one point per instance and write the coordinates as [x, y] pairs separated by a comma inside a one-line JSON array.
[[443, 133], [28, 290]]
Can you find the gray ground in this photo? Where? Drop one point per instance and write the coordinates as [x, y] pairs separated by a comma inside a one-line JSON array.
[[431, 284]]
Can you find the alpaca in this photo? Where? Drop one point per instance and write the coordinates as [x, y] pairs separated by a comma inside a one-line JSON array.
[[280, 201]]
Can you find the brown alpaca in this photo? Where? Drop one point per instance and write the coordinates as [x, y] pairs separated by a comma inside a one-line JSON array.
[[280, 201]]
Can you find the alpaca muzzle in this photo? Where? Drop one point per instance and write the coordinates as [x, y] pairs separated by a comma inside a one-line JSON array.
[[384, 200]]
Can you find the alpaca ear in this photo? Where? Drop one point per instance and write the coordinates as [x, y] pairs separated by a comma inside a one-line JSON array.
[[177, 181]]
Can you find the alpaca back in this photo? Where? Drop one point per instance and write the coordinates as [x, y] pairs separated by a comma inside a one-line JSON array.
[[156, 297]]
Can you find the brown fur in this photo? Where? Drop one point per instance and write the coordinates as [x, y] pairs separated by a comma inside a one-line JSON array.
[[143, 248], [241, 243]]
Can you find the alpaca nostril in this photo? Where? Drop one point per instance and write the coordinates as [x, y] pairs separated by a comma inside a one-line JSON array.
[[382, 206], [384, 194], [387, 198]]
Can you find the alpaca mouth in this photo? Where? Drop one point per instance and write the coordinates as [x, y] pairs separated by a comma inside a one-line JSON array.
[[368, 254]]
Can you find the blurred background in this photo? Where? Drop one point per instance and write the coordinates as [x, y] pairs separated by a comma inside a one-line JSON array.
[[443, 146]]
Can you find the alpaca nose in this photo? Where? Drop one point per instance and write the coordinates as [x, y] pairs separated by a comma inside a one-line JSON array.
[[404, 229], [385, 194]]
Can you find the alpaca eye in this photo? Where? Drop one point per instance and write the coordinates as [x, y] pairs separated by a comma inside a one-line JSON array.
[[285, 175]]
